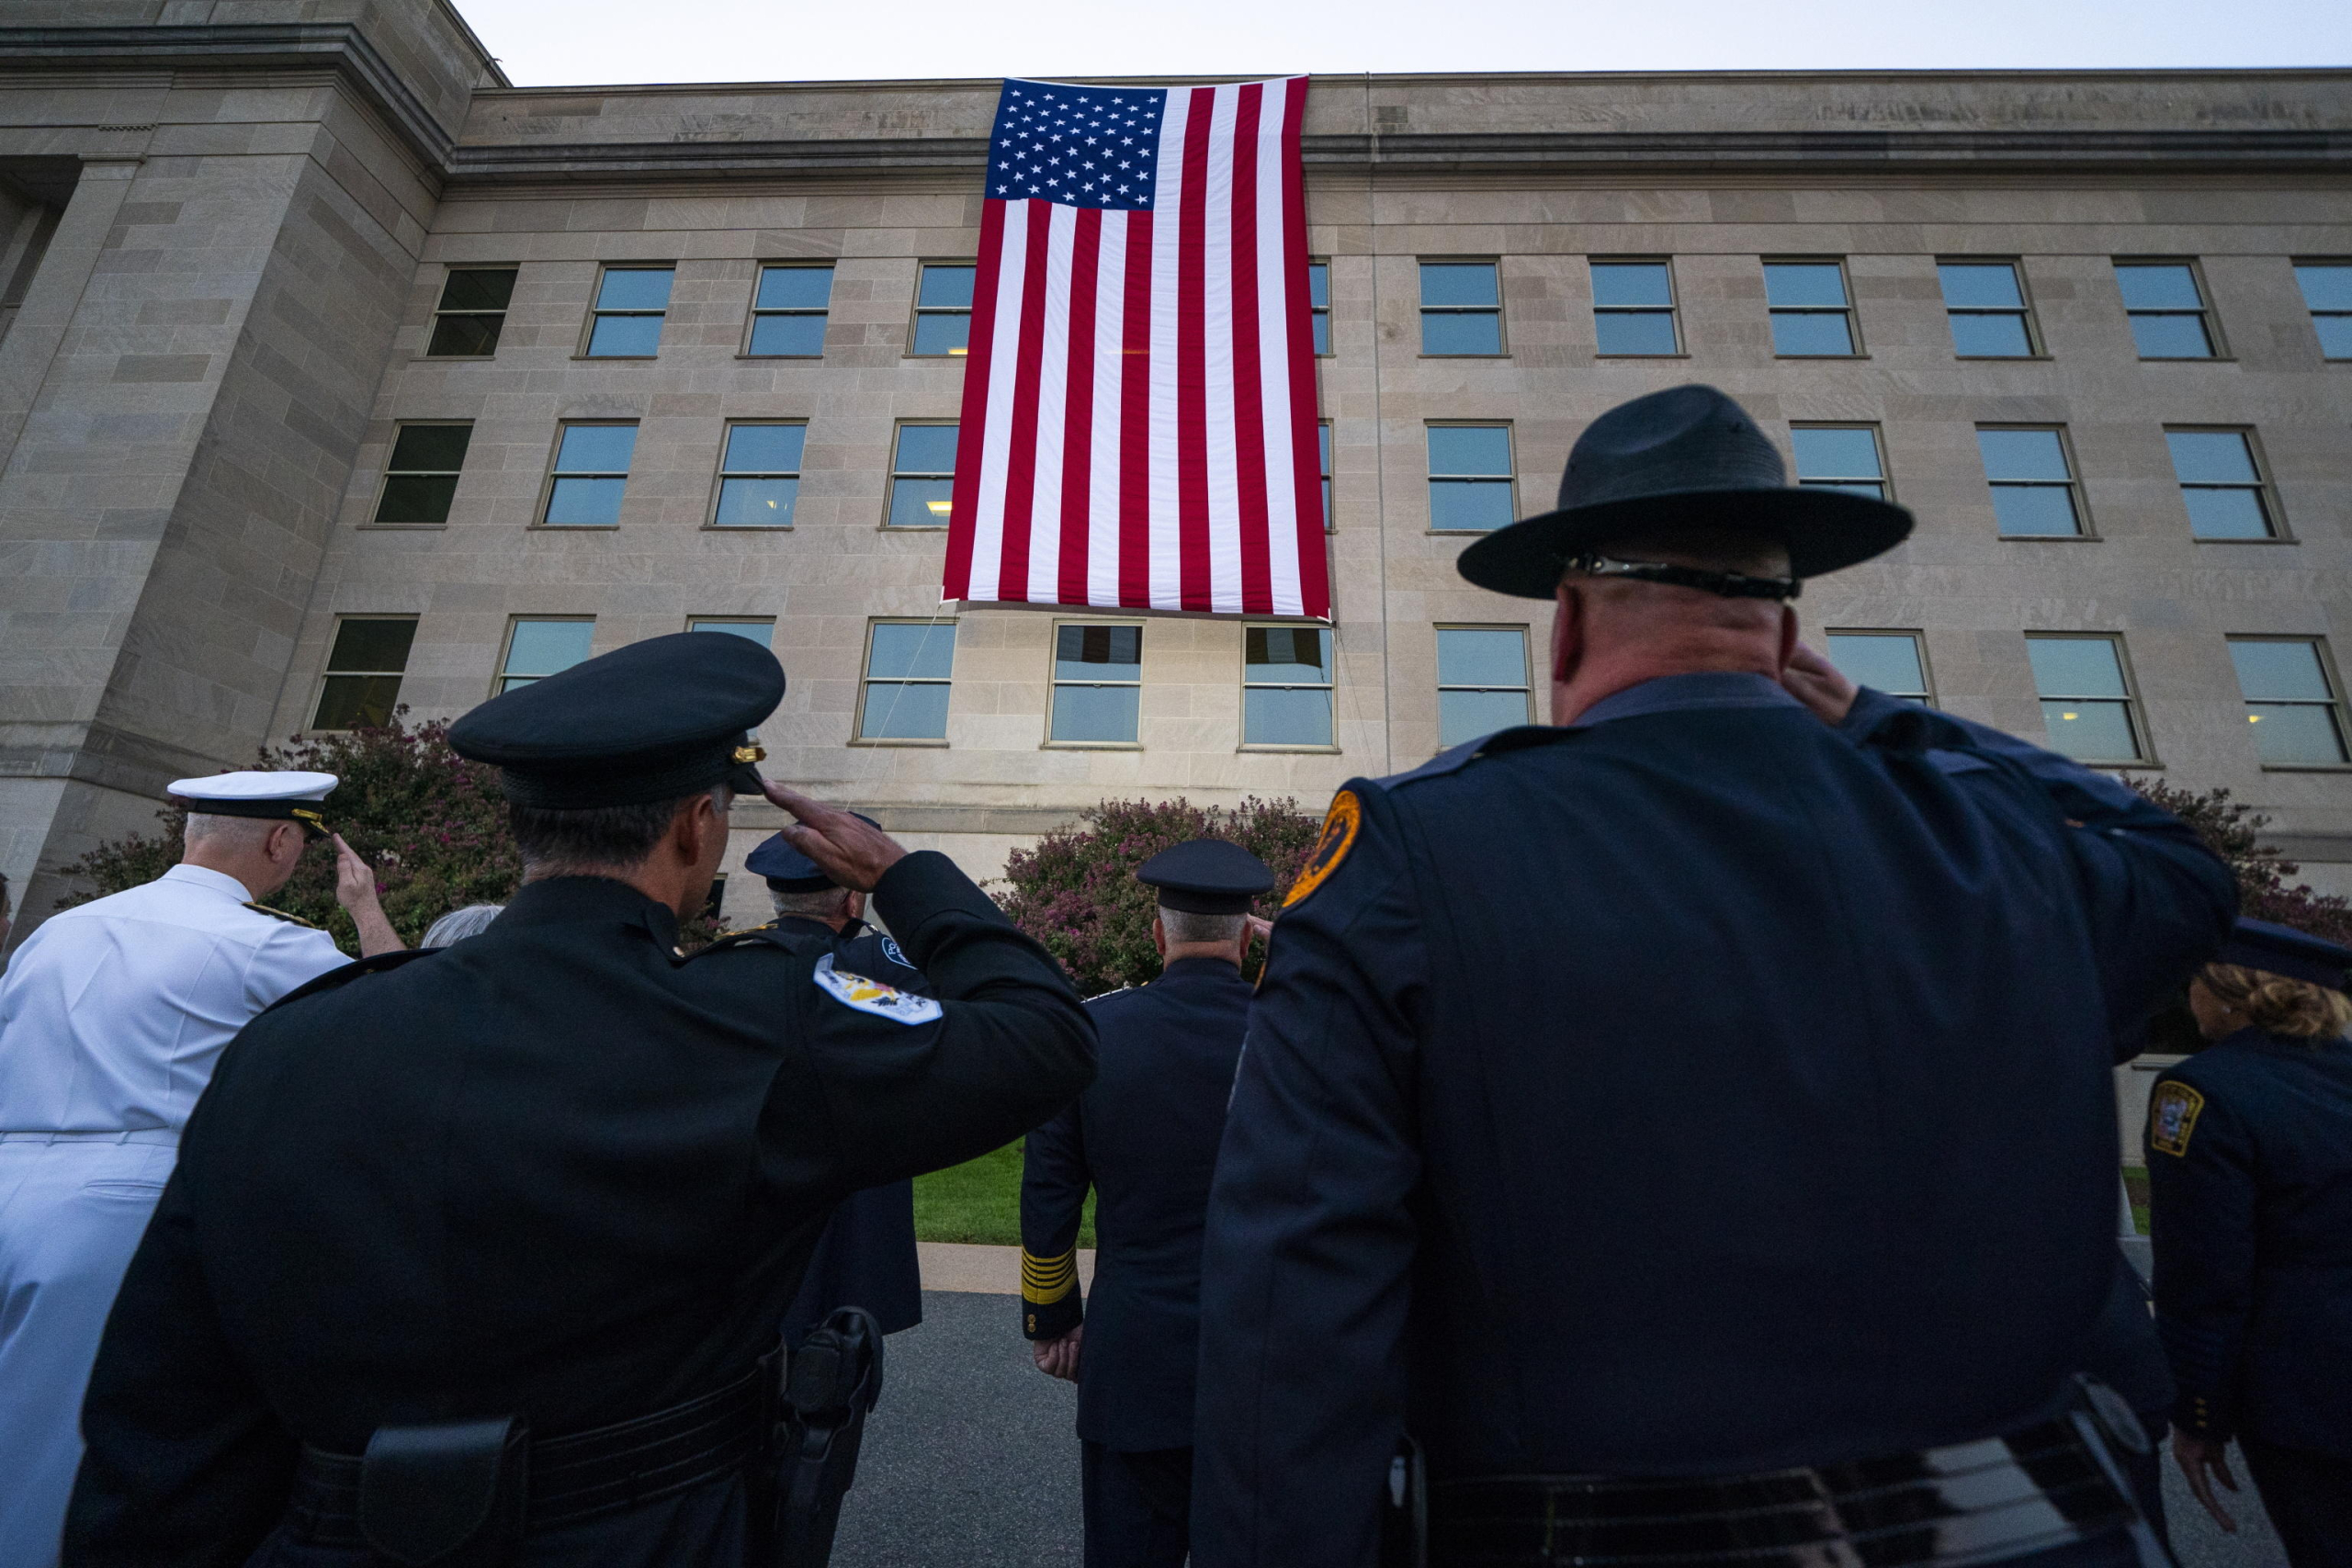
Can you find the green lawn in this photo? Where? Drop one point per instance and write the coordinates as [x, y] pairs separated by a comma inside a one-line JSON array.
[[2135, 1183], [980, 1200]]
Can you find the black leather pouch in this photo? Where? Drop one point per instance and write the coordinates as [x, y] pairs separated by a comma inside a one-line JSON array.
[[449, 1495]]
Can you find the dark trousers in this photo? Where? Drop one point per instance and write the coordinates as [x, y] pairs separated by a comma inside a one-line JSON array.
[[1138, 1506], [2309, 1499]]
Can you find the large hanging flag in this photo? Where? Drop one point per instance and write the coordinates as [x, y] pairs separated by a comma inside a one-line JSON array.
[[1138, 425]]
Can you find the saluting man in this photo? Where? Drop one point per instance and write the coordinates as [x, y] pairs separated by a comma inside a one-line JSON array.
[[1145, 1139], [111, 1017]]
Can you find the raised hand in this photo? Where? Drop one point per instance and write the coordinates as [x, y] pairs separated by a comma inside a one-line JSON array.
[[851, 853], [1819, 686]]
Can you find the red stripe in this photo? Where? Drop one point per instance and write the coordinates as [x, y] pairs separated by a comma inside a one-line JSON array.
[[1191, 361], [1248, 407], [1078, 425], [1134, 420], [1313, 571], [1021, 480], [963, 504]]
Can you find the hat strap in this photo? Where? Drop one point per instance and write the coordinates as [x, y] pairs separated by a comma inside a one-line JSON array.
[[1723, 584]]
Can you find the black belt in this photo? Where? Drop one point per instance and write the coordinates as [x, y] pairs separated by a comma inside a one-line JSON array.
[[605, 1469], [1980, 1501]]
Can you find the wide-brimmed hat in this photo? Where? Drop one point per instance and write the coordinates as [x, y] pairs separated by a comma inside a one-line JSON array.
[[1687, 457]]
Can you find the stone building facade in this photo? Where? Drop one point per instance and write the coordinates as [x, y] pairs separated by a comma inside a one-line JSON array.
[[2095, 328]]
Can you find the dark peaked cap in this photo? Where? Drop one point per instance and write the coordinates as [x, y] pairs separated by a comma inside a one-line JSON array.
[[1207, 876], [2282, 950], [653, 721], [1688, 458], [789, 870]]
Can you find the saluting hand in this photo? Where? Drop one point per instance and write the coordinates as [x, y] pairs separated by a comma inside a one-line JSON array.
[[354, 889], [851, 853], [1819, 686]]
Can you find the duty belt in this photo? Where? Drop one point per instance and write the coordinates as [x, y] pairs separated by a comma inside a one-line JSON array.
[[1977, 1502]]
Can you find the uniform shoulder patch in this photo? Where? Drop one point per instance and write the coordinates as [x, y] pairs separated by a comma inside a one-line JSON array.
[[895, 954], [2172, 1117], [876, 997], [1340, 826], [282, 915]]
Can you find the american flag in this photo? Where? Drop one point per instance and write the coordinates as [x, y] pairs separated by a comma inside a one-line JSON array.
[[1138, 426]]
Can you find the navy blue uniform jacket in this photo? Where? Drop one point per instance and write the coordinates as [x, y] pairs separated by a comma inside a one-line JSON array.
[[1145, 1137], [2250, 1209], [1695, 1090]]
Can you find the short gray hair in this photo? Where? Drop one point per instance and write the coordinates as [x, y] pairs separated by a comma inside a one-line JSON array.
[[1186, 928], [821, 905], [460, 924], [244, 832]]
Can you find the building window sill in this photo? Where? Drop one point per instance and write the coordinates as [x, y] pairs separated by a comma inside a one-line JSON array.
[[747, 527], [804, 358], [2005, 358], [1262, 748], [2049, 538], [2307, 767], [1090, 746], [614, 359], [402, 527], [2274, 539], [902, 740]]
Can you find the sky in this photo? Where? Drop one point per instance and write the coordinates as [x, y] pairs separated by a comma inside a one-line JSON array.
[[575, 42]]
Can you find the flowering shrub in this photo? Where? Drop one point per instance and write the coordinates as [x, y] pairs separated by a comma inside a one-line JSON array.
[[2233, 831], [1077, 892]]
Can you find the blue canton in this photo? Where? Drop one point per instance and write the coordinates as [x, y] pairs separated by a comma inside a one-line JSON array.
[[1078, 146]]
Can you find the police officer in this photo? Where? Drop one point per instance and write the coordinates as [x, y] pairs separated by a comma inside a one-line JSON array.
[[865, 1258], [1145, 1139], [111, 1017], [2250, 1209], [474, 1254], [1714, 1086]]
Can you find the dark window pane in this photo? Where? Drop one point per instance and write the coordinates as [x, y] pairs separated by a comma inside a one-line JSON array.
[[595, 448], [542, 648], [1460, 283], [1990, 337], [761, 632], [585, 503], [635, 289], [1474, 658], [1888, 661], [623, 337], [795, 288], [765, 448], [2272, 671], [1465, 716], [2091, 731], [798, 335], [756, 503], [478, 289], [1479, 449], [1285, 654], [1272, 715], [2327, 286], [2035, 511], [943, 335], [416, 498], [921, 503], [2023, 455], [1852, 486], [1848, 454], [356, 702], [1098, 653], [1095, 713], [372, 645], [898, 710], [2302, 735], [1470, 333], [2334, 335], [2210, 457], [1979, 285], [949, 285], [1318, 285], [1632, 283], [911, 652], [2227, 513], [1469, 503], [2171, 337], [431, 447], [2166, 287], [1636, 331], [460, 335], [926, 449], [1823, 333], [1322, 331], [2074, 667], [1796, 285]]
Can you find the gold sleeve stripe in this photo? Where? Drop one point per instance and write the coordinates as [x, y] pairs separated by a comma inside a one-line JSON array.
[[1046, 1280]]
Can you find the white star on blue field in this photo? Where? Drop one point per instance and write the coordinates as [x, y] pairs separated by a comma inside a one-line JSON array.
[[1078, 146]]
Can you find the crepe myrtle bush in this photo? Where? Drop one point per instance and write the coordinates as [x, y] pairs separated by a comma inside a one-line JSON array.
[[2266, 890], [1075, 892]]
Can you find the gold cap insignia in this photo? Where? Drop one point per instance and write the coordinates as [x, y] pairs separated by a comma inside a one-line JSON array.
[[751, 753]]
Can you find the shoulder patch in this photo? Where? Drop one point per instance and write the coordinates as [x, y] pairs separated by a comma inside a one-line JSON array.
[[895, 954], [1340, 825], [881, 999], [282, 915], [2172, 1117]]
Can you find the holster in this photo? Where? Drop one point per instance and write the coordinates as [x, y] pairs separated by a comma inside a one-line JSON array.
[[449, 1495], [823, 1391]]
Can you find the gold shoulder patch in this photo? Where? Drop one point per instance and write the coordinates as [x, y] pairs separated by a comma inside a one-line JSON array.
[[281, 915], [2172, 1117], [1340, 827]]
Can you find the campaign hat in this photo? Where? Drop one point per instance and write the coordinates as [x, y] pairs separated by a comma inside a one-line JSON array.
[[2281, 950], [290, 796], [789, 870], [1688, 458], [1207, 876], [656, 720]]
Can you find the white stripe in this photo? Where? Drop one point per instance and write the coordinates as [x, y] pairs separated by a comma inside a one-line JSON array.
[[1216, 325], [1110, 368], [1053, 411], [1167, 581], [1274, 355], [1004, 369]]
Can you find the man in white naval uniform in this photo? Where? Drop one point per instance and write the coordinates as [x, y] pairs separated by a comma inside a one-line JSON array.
[[111, 1017]]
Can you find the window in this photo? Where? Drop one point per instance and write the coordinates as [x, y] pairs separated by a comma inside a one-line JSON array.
[[1632, 307], [630, 304], [758, 629], [591, 472], [1285, 686], [1461, 308], [788, 311], [908, 666], [420, 476], [1482, 684], [2033, 486], [923, 476], [943, 309], [2220, 485], [1839, 457], [364, 670], [2328, 291], [472, 312], [1323, 440], [538, 648], [2289, 700], [1319, 303], [2167, 309], [1892, 663], [1810, 316], [1469, 477], [2085, 698], [759, 476], [1986, 300], [1098, 683]]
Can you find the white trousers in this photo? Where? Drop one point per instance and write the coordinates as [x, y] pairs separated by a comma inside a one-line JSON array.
[[70, 1215]]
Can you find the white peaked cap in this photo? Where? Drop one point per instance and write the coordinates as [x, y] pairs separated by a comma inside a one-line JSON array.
[[253, 785]]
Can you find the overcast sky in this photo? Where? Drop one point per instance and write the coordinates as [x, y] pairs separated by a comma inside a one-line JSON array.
[[554, 42]]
